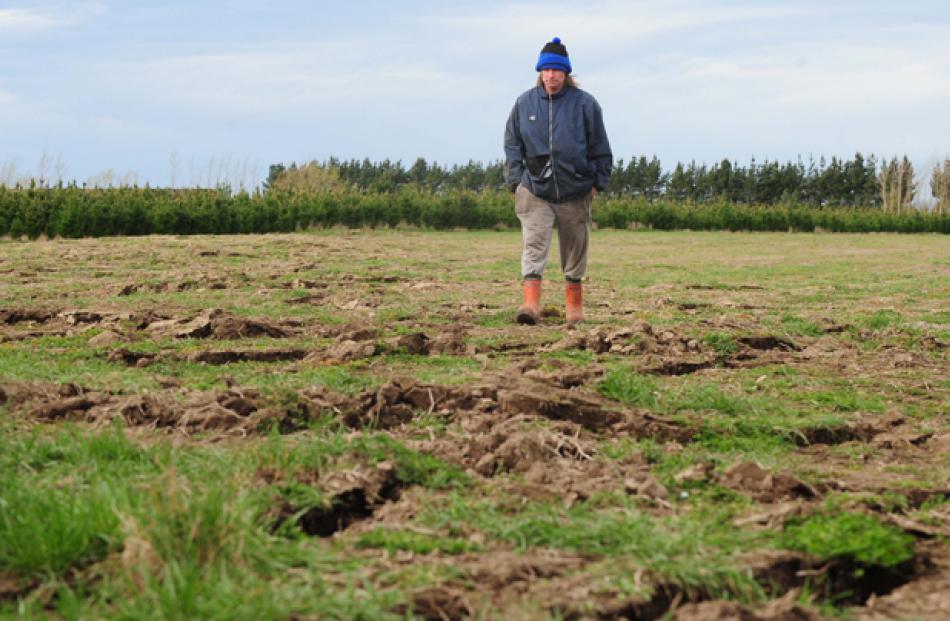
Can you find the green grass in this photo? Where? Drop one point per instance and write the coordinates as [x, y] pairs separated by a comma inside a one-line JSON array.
[[411, 541], [856, 536], [695, 551], [882, 319], [722, 343], [630, 388], [802, 327], [149, 524], [412, 467]]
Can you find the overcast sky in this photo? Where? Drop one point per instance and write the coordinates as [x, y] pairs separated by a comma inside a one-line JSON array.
[[188, 90]]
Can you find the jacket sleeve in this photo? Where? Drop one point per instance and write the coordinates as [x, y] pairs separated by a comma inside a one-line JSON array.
[[514, 150], [598, 148]]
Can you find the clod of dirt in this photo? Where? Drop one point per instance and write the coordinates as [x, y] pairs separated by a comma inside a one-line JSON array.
[[105, 338], [586, 410], [889, 430], [768, 342], [229, 411], [838, 434], [66, 407], [215, 324], [694, 474], [218, 357], [17, 315], [502, 396], [646, 486], [358, 333], [232, 411], [438, 603], [681, 367], [417, 343], [389, 406], [76, 317], [131, 358], [353, 496], [311, 298], [598, 340], [750, 478], [345, 351], [493, 446], [451, 341], [773, 518]]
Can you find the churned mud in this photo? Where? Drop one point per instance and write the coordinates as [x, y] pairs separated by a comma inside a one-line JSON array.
[[517, 409]]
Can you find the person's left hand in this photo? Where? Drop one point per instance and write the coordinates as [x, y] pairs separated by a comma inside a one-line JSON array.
[[593, 192]]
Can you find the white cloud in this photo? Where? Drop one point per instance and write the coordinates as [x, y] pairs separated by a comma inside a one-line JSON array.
[[332, 75], [25, 20], [6, 98], [49, 17], [604, 24]]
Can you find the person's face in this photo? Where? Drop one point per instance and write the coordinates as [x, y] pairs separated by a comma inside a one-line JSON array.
[[553, 80]]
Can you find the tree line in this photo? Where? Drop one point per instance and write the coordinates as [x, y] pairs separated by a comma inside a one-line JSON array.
[[889, 185], [72, 211]]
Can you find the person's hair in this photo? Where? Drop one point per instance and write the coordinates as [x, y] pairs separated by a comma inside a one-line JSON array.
[[568, 81]]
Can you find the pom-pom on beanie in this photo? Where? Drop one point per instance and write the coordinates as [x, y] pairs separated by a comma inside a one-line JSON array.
[[554, 56]]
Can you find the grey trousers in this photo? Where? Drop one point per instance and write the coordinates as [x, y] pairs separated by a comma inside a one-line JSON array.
[[538, 218]]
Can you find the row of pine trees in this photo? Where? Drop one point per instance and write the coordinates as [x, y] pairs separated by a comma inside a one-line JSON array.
[[860, 181]]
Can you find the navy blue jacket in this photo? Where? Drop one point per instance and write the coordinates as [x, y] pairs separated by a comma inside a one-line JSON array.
[[556, 146]]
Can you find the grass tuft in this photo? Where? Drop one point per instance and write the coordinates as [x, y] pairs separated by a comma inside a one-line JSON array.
[[857, 536]]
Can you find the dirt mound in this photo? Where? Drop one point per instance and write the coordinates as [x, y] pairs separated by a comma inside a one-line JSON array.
[[450, 341], [890, 430], [215, 324], [417, 344], [768, 342], [662, 351], [225, 412], [230, 412], [506, 394], [492, 445], [750, 478], [18, 315], [132, 358], [208, 282], [389, 406], [218, 357]]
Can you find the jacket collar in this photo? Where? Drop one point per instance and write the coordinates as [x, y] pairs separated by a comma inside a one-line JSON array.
[[557, 95]]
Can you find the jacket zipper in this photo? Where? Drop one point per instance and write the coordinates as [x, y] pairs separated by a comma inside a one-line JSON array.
[[557, 192]]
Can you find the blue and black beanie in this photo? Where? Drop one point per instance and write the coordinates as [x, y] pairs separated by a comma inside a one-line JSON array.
[[554, 56]]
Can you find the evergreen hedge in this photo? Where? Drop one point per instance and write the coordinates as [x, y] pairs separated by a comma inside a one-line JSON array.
[[70, 211]]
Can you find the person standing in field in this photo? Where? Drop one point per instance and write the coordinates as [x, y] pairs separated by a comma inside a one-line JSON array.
[[557, 158]]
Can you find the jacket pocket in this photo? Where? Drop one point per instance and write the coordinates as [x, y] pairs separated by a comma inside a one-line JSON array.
[[539, 166]]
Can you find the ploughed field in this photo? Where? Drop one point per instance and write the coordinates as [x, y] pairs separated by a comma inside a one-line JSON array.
[[349, 425]]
